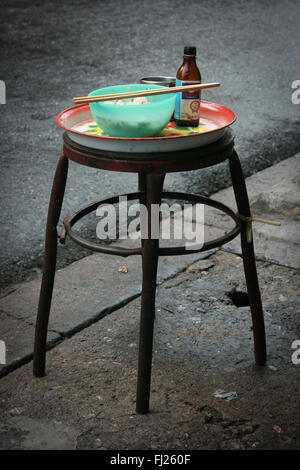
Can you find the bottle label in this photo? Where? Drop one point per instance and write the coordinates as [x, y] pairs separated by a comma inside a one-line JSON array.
[[187, 105]]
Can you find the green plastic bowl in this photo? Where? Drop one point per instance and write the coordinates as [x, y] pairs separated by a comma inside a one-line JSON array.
[[136, 120]]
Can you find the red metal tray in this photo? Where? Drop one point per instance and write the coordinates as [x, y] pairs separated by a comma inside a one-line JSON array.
[[214, 118]]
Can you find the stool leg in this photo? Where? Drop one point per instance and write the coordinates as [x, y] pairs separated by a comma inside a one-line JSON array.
[[56, 199], [242, 201], [142, 182], [150, 247]]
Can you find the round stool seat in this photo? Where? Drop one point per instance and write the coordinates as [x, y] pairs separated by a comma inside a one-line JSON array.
[[163, 162]]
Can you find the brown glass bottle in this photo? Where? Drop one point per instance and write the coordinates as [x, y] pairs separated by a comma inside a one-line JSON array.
[[187, 106]]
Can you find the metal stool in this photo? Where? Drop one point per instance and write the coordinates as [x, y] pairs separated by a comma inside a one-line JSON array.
[[151, 169]]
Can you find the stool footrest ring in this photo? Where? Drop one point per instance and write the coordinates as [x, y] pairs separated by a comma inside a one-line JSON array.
[[167, 251]]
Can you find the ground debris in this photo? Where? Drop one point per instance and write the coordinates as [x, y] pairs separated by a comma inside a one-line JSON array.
[[123, 269], [202, 265], [277, 429], [227, 395]]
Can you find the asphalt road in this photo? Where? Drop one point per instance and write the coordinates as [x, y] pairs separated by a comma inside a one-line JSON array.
[[52, 51]]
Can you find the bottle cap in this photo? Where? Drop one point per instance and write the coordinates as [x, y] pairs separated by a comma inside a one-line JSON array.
[[190, 50]]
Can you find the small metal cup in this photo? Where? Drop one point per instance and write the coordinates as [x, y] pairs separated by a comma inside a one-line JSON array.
[[159, 80]]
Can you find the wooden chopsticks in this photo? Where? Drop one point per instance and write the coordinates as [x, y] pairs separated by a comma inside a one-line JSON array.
[[135, 94]]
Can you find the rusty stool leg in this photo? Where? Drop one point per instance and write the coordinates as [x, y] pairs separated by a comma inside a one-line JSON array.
[[142, 181], [56, 199], [142, 184], [242, 201], [150, 247]]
